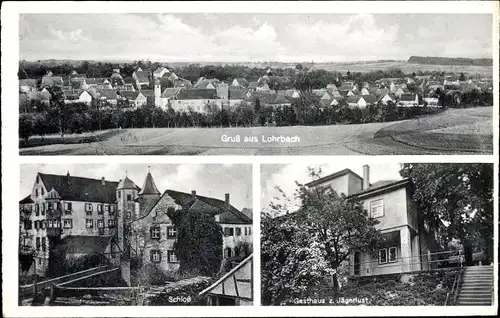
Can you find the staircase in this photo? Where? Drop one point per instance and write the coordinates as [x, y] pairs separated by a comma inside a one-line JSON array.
[[477, 287]]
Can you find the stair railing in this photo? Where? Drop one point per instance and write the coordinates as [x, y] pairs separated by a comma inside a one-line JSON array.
[[459, 277], [454, 288]]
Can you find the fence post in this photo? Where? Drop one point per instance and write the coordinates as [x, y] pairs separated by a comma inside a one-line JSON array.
[[52, 294], [35, 283]]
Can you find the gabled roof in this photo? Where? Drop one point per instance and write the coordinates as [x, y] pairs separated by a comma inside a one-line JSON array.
[[26, 200], [52, 80], [242, 81], [149, 186], [253, 85], [370, 99], [185, 94], [130, 94], [237, 93], [408, 97], [52, 194], [108, 94], [170, 92], [353, 99], [383, 185], [333, 176], [203, 83], [280, 99], [142, 77], [27, 82], [95, 81], [228, 214], [81, 189]]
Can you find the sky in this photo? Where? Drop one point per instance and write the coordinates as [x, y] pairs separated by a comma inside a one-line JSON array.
[[211, 180], [284, 176], [245, 37]]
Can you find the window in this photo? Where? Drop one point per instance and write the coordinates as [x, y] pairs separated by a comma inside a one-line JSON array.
[[129, 215], [43, 208], [100, 224], [43, 224], [99, 208], [111, 210], [129, 197], [68, 207], [171, 232], [111, 223], [37, 209], [246, 232], [44, 244], [382, 256], [36, 193], [249, 230], [238, 231], [37, 179], [228, 231], [388, 255], [377, 208], [172, 258], [112, 251], [27, 225], [50, 224], [68, 223], [119, 195], [155, 256], [36, 225], [37, 243], [57, 224], [155, 232], [49, 206], [228, 252], [88, 208], [393, 256], [89, 223], [43, 191]]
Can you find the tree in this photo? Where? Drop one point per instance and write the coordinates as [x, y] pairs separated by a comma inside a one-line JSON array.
[[57, 103], [25, 127], [199, 242], [300, 249], [455, 199], [461, 77]]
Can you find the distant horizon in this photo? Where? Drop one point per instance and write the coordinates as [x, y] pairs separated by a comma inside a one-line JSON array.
[[253, 37]]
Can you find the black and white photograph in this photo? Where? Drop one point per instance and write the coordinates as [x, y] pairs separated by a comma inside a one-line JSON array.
[[412, 234], [255, 84], [135, 235]]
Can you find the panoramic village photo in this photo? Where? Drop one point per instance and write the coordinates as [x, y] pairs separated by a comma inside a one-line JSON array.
[[413, 234], [135, 235], [255, 84]]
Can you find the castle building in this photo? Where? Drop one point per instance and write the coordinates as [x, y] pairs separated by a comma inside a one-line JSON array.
[[116, 220]]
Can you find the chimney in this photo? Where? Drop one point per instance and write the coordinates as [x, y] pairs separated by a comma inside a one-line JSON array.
[[227, 200], [103, 181], [67, 174], [193, 194], [366, 177]]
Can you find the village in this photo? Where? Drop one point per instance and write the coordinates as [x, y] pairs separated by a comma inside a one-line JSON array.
[[270, 97], [100, 240]]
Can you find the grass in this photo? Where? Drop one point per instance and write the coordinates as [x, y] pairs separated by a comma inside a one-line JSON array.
[[86, 137]]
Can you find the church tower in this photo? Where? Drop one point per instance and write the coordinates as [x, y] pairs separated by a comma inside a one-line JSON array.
[[148, 196], [157, 92], [126, 192]]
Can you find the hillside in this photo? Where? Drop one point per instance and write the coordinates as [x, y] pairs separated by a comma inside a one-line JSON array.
[[433, 60]]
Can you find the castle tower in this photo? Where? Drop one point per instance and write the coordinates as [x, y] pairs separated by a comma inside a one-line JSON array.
[[149, 195], [157, 91], [126, 192]]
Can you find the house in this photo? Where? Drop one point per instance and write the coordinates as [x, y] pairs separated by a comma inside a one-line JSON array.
[[236, 96], [406, 243], [134, 98], [160, 72], [204, 83], [65, 206], [279, 101], [153, 233], [388, 97], [98, 83], [141, 78], [195, 100], [167, 95], [48, 81], [77, 96], [42, 96], [77, 77], [361, 101], [431, 101], [109, 96], [27, 85], [234, 288], [182, 83], [331, 87], [364, 91], [253, 85], [239, 82], [408, 100], [263, 88], [291, 93]]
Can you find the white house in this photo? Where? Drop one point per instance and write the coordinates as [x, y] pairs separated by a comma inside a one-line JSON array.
[[408, 100], [78, 97]]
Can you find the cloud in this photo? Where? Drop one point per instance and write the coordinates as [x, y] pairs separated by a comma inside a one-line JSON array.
[[73, 36]]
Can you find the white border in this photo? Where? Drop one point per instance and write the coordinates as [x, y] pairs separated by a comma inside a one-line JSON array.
[[11, 158]]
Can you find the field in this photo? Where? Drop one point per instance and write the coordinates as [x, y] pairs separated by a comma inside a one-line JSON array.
[[406, 67], [455, 131]]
